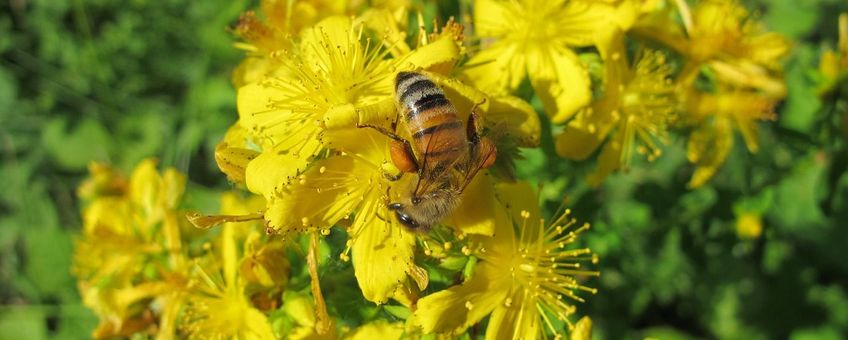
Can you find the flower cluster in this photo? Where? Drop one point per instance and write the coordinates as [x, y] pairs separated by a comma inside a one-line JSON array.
[[316, 146]]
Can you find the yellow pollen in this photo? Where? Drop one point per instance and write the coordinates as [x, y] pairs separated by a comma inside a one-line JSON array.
[[325, 232], [322, 169], [508, 302], [469, 305], [304, 221], [447, 245]]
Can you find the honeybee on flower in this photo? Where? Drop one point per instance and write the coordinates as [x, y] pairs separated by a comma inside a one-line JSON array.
[[298, 144]]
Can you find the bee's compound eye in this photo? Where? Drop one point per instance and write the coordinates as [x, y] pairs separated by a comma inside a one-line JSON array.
[[395, 206], [406, 220]]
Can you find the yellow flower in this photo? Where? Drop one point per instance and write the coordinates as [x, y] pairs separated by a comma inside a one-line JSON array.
[[524, 279], [218, 306], [535, 37], [128, 228], [636, 106], [721, 35], [715, 115], [284, 18]]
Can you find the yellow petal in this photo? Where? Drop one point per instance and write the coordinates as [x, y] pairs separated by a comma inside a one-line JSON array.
[[517, 321], [380, 329], [560, 81], [256, 325], [272, 169], [585, 133], [459, 307], [368, 144], [609, 160], [232, 154], [299, 307], [577, 143], [382, 254], [747, 74], [768, 49], [516, 118], [708, 148], [520, 206], [173, 186], [327, 192], [144, 185], [333, 31], [281, 128], [438, 56], [475, 214], [497, 69], [463, 97], [627, 13], [251, 70], [489, 18], [582, 330]]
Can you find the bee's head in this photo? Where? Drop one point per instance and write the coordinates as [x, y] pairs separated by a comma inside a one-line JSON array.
[[419, 212], [406, 214]]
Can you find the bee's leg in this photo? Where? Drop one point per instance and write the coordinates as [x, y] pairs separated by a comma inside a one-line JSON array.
[[384, 131], [401, 151], [396, 120], [403, 157]]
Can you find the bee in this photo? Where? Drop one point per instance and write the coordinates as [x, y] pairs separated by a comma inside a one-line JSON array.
[[443, 152]]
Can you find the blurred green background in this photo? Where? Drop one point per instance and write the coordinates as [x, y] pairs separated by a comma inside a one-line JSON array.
[[118, 81]]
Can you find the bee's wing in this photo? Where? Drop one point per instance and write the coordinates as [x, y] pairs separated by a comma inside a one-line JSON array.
[[483, 155], [438, 175]]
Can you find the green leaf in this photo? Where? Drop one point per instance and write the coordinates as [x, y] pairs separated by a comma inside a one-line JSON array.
[[23, 323], [87, 141], [49, 260], [8, 92], [820, 333], [399, 311], [796, 201], [802, 104], [792, 18]]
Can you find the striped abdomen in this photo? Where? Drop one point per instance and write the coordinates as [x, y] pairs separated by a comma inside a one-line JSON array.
[[438, 137]]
